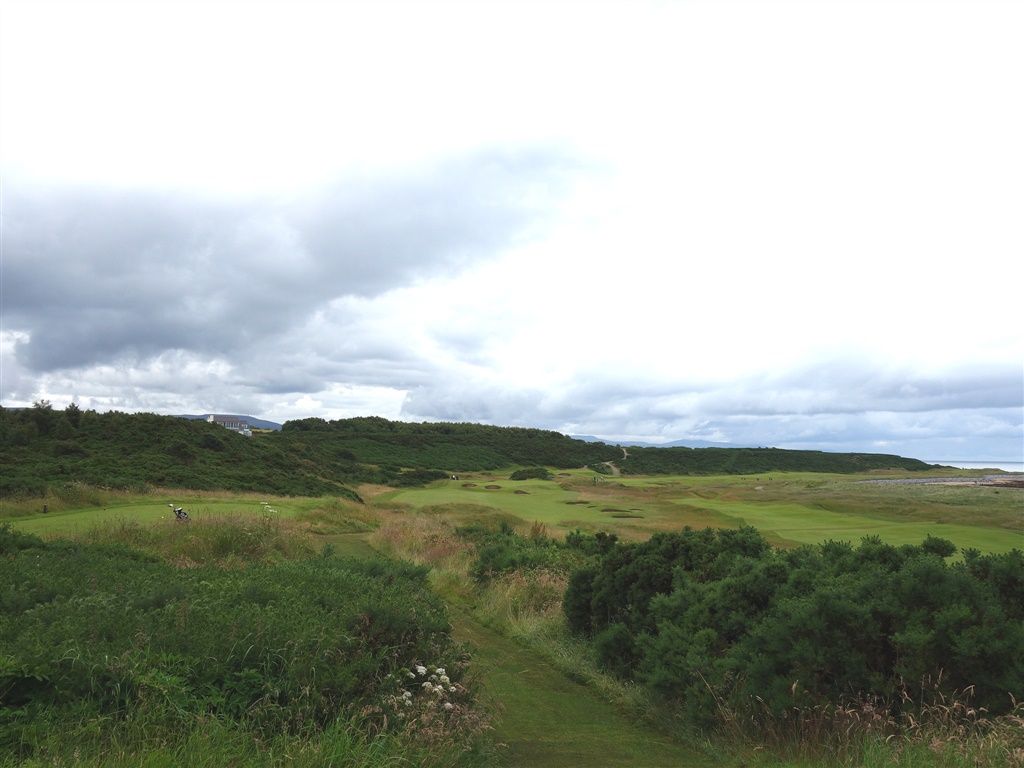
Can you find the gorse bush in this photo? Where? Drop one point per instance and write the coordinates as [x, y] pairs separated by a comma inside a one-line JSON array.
[[533, 473], [500, 551], [103, 633], [135, 451], [706, 617], [457, 447]]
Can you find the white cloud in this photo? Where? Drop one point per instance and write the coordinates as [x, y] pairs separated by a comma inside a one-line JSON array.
[[759, 222]]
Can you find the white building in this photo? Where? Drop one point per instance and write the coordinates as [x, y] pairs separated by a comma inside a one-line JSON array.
[[234, 423]]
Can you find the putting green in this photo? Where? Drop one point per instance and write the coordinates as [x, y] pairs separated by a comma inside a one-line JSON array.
[[806, 524]]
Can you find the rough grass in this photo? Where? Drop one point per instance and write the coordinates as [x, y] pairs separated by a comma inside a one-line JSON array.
[[143, 742], [151, 508], [227, 540], [929, 730]]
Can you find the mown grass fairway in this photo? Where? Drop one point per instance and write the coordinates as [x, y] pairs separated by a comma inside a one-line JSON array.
[[790, 509], [803, 524]]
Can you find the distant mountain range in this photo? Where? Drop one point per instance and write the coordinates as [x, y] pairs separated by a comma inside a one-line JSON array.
[[673, 444], [253, 422]]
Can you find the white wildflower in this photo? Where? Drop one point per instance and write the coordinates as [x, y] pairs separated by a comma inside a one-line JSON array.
[[449, 706], [440, 671], [445, 680], [421, 670]]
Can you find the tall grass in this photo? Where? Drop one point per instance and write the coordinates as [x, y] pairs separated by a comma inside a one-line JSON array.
[[66, 496], [336, 516], [925, 728], [427, 540], [228, 540], [141, 742]]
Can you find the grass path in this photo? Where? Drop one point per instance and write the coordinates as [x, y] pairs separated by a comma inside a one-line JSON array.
[[545, 719], [550, 721]]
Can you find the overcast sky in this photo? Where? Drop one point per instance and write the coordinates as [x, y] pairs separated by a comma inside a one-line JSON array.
[[797, 224]]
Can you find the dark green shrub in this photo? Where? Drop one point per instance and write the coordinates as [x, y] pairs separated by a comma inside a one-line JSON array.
[[616, 650], [12, 540], [534, 473], [705, 617]]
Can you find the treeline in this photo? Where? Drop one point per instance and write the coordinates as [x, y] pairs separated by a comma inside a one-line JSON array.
[[718, 618], [753, 461], [459, 447], [43, 450]]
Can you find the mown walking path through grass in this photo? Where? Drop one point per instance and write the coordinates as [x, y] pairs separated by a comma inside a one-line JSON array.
[[547, 720], [550, 721]]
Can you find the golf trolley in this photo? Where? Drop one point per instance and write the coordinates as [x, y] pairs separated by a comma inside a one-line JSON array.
[[180, 515]]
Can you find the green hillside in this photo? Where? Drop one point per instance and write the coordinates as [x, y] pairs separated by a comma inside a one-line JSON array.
[[752, 461], [43, 449]]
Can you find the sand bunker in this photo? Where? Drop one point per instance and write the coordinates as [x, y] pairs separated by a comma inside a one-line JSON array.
[[492, 487]]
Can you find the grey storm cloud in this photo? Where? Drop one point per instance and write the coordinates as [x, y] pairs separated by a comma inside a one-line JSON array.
[[96, 275]]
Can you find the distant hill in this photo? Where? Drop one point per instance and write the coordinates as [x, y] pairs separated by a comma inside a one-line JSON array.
[[254, 423]]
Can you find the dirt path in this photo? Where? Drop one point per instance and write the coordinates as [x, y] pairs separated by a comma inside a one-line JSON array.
[[550, 721], [615, 470]]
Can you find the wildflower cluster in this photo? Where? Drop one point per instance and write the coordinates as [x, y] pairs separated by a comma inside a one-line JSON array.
[[424, 688], [425, 700]]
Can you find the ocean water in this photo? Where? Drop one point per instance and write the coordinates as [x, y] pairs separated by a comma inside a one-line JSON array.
[[1006, 466]]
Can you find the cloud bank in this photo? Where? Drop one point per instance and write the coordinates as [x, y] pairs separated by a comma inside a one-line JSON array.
[[758, 224]]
